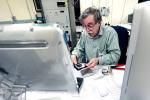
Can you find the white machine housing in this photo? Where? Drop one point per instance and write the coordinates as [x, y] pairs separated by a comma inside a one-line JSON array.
[[56, 11], [136, 83], [35, 56]]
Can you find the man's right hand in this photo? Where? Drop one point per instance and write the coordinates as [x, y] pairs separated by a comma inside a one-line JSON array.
[[74, 59]]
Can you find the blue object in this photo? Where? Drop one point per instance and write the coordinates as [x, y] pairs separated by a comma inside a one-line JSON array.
[[65, 37], [123, 38]]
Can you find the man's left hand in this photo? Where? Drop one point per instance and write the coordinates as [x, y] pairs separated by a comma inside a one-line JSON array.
[[92, 63]]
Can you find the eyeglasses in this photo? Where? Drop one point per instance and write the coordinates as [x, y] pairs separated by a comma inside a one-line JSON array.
[[89, 26]]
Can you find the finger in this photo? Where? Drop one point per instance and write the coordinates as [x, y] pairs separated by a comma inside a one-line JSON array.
[[73, 59], [89, 65]]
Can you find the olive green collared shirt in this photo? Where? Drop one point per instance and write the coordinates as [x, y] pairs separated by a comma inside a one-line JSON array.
[[104, 46]]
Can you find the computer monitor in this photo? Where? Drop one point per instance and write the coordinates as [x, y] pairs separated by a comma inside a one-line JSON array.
[[36, 56], [136, 83]]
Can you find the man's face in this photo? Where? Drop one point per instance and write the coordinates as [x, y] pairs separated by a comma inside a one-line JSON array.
[[91, 26]]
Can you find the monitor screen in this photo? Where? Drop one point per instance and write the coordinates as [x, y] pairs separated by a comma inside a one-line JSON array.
[[37, 57], [136, 83]]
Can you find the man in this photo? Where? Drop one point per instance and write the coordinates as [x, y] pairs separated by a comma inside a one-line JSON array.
[[98, 43]]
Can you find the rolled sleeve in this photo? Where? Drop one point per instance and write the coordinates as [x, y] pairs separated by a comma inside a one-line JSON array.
[[80, 47]]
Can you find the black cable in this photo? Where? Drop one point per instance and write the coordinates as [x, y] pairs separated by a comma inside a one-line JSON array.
[[74, 3], [2, 70]]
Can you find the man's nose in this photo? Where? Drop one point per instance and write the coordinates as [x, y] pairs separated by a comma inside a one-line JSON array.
[[88, 30]]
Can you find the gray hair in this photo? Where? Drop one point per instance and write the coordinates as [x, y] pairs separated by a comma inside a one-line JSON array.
[[91, 11]]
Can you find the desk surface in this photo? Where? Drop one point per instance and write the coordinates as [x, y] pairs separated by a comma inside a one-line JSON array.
[[95, 87]]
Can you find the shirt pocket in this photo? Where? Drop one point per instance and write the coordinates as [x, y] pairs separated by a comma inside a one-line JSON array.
[[101, 51]]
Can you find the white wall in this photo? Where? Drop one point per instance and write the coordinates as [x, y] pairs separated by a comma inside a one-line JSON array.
[[21, 9], [119, 9]]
